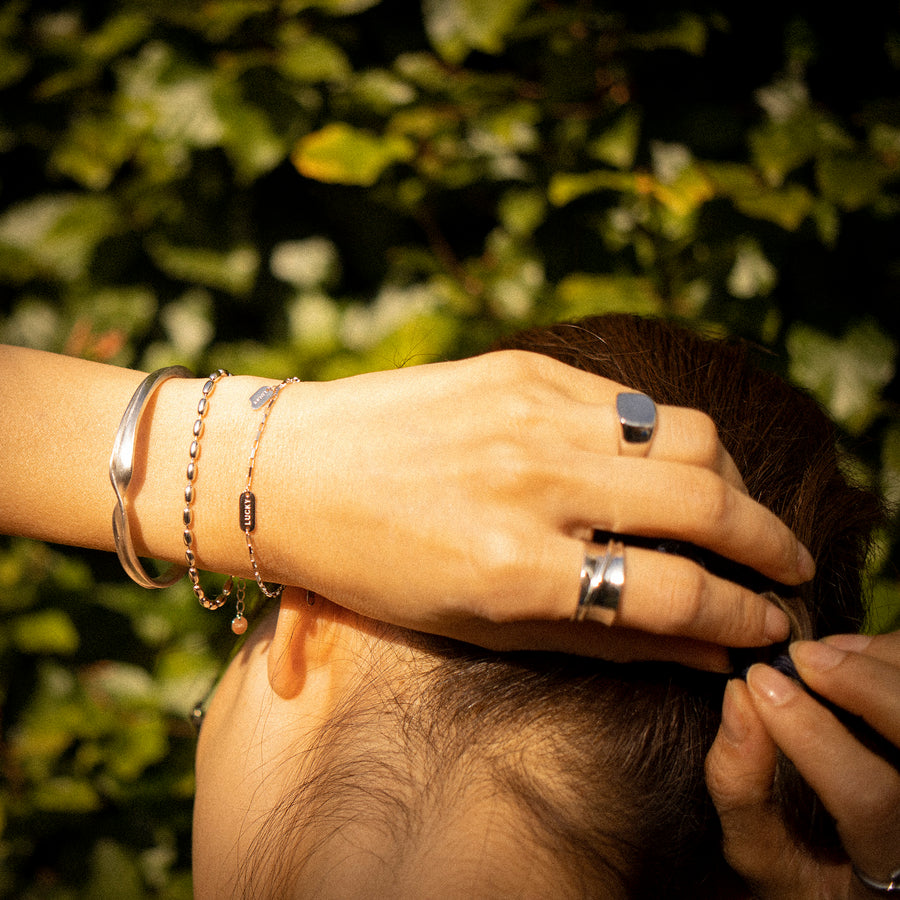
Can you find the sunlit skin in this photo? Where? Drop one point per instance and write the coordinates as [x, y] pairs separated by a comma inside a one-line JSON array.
[[524, 453], [265, 715], [346, 482]]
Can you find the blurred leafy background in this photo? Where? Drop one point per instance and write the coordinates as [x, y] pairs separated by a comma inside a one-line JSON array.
[[321, 187]]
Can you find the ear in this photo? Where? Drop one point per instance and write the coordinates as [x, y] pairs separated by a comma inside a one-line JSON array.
[[297, 624]]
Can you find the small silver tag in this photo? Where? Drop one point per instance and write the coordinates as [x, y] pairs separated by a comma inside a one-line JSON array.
[[261, 397]]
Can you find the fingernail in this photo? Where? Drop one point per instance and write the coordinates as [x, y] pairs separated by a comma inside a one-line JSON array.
[[771, 686], [853, 643], [778, 625], [734, 720], [816, 655], [805, 563]]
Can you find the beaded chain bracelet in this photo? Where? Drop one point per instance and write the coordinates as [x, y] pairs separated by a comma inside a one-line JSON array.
[[265, 396], [190, 495]]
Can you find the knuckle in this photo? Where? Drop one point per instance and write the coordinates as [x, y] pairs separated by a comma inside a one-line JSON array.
[[523, 409], [705, 440], [712, 501], [502, 576], [875, 803], [729, 790], [520, 365], [512, 469], [685, 597]]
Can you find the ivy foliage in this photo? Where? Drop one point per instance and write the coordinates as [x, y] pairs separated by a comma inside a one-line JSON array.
[[324, 187]]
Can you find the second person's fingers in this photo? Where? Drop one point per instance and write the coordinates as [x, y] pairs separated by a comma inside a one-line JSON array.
[[740, 772], [866, 682], [859, 788]]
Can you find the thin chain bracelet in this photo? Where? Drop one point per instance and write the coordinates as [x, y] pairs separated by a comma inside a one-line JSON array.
[[247, 504], [189, 495]]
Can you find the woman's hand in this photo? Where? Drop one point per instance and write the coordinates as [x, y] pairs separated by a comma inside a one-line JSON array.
[[859, 788], [456, 498]]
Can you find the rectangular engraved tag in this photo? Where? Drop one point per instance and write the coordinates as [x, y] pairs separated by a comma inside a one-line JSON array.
[[248, 511], [261, 396]]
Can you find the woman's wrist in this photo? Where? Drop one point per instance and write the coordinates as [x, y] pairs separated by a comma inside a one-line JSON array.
[[162, 459]]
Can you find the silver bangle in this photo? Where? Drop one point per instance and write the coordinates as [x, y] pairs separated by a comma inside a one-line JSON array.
[[121, 469], [891, 886]]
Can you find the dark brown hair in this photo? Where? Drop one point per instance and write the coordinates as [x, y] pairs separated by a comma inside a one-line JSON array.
[[604, 762]]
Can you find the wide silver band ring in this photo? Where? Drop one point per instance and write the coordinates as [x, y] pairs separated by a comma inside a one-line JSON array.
[[889, 887], [602, 578], [637, 419]]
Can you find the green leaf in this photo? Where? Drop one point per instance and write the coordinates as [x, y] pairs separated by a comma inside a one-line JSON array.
[[342, 154], [13, 65], [752, 275], [118, 34], [890, 467], [884, 140], [337, 7], [127, 310], [851, 182], [580, 294], [141, 742], [565, 187], [248, 137], [174, 104], [314, 319], [34, 322], [187, 322], [521, 212], [233, 271], [688, 34], [883, 610], [45, 632], [457, 26], [55, 235], [312, 58], [780, 147], [220, 19], [65, 794], [382, 91], [305, 264], [93, 150], [846, 374], [786, 206], [113, 873], [618, 144]]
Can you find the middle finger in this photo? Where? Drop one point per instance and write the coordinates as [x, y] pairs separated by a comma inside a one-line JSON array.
[[671, 500]]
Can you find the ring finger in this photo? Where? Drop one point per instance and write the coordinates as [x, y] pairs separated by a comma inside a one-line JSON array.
[[666, 594]]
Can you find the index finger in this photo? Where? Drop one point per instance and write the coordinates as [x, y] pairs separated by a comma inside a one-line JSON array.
[[681, 434], [866, 684]]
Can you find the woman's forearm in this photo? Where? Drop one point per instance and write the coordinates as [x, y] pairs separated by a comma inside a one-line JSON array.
[[61, 417], [454, 498], [59, 414]]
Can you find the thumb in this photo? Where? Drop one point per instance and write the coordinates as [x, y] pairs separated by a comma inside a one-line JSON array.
[[740, 773]]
